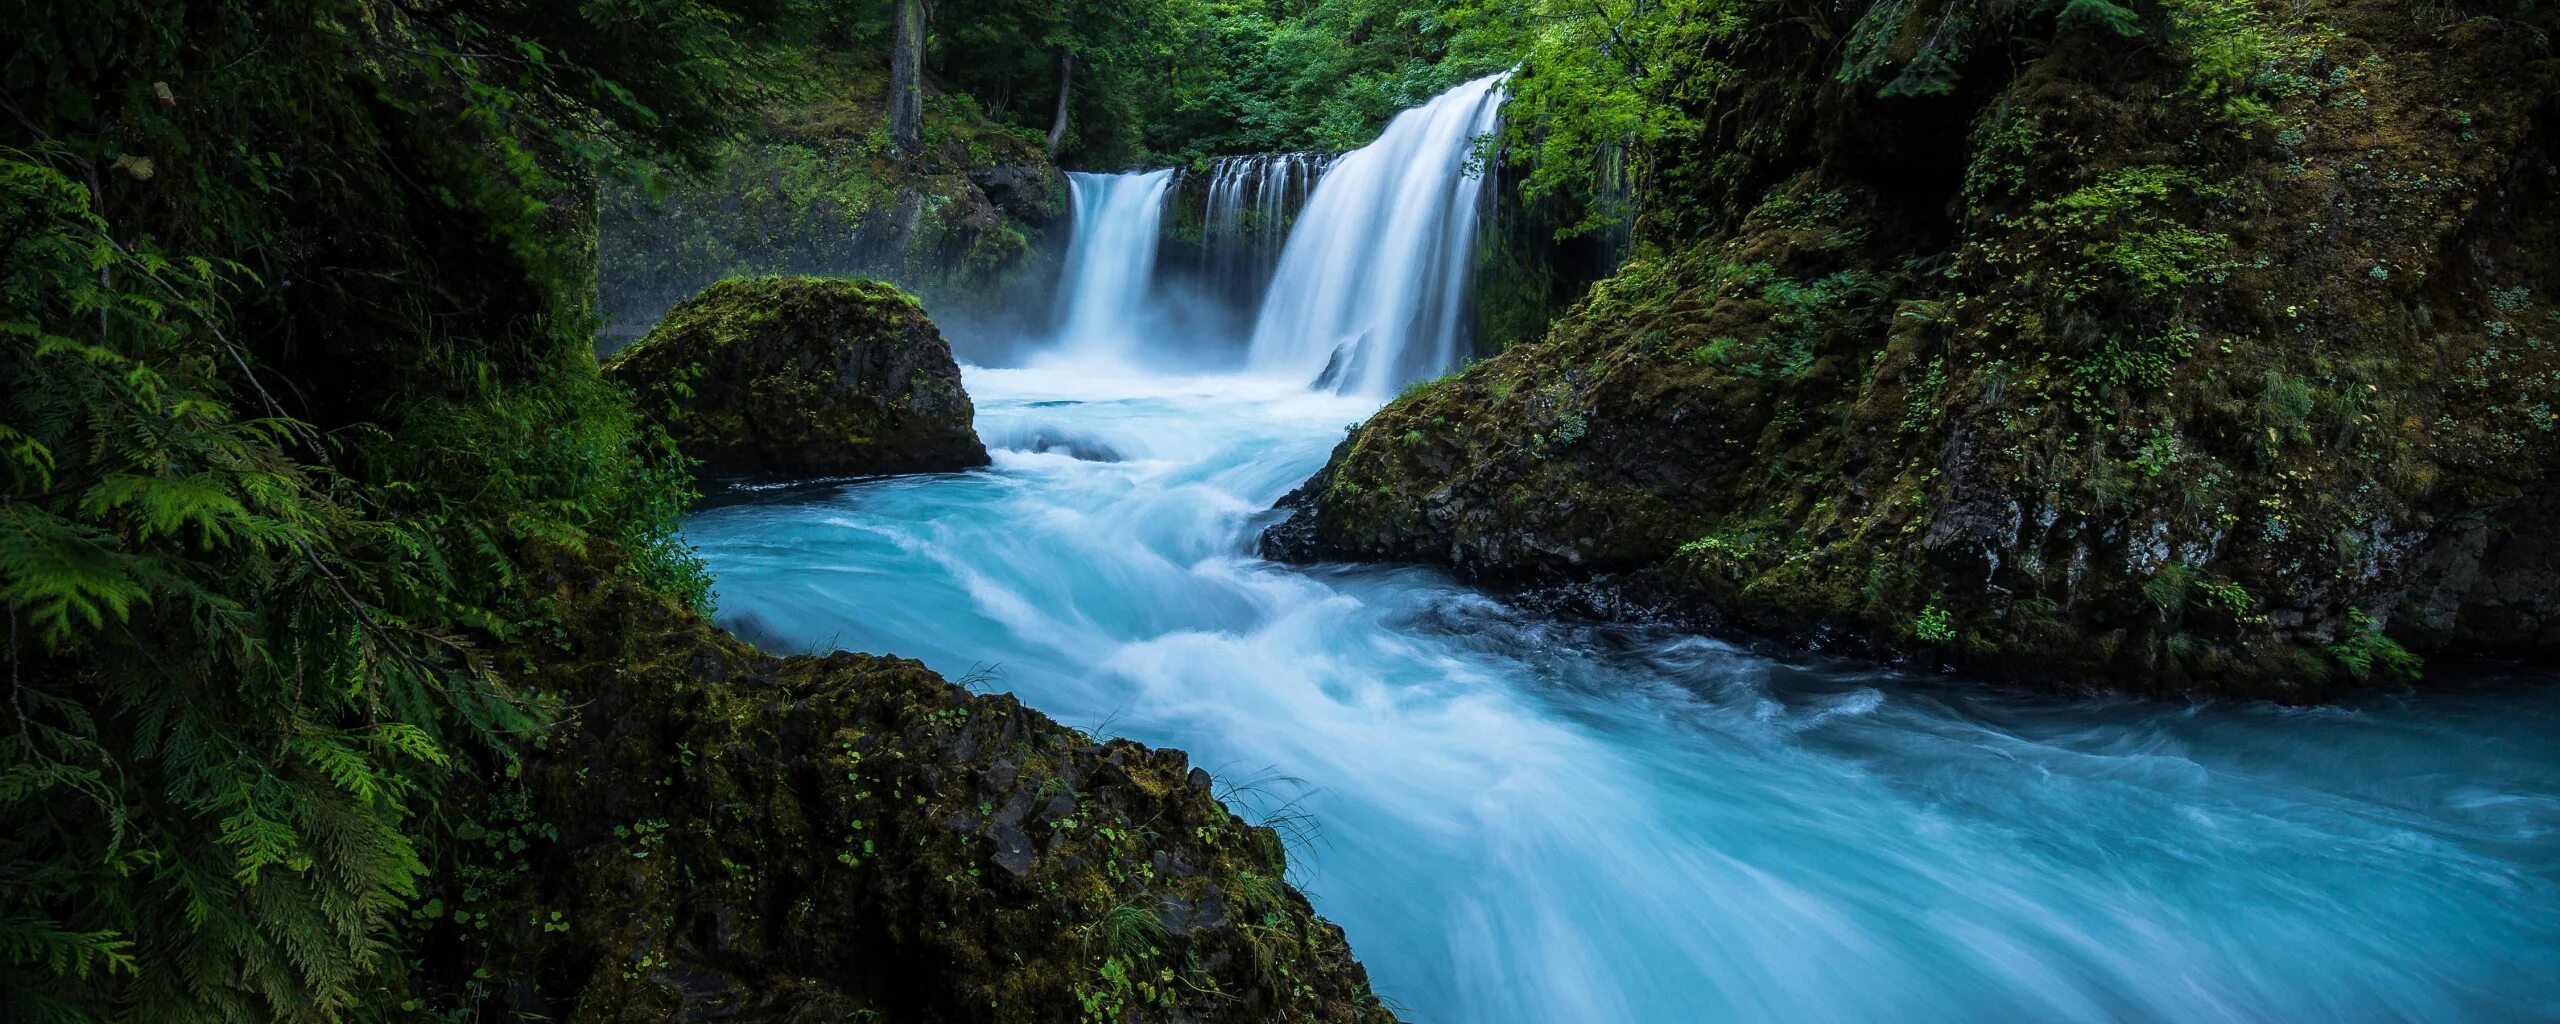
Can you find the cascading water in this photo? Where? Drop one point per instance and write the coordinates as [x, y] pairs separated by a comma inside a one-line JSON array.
[[1532, 821], [1118, 220], [1246, 218], [1370, 288]]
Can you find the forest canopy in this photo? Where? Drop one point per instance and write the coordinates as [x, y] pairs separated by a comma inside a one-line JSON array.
[[1122, 83]]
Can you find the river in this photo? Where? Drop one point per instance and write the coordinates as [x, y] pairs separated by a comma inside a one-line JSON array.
[[1519, 819], [1522, 819]]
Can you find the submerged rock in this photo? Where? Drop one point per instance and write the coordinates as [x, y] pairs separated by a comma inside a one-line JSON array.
[[1993, 341], [804, 376], [715, 833]]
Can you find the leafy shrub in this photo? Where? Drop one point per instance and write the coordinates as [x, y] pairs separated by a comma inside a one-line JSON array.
[[283, 409], [2364, 652]]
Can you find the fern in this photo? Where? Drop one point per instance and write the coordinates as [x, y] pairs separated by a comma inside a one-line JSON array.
[[244, 602], [77, 954]]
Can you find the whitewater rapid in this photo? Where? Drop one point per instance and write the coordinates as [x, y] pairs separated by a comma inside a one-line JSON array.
[[1519, 819]]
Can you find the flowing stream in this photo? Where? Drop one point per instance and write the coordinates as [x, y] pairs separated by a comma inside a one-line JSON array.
[[1521, 819]]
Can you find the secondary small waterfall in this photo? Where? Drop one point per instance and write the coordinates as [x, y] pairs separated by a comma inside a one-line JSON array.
[[1113, 257], [1246, 218], [1371, 287]]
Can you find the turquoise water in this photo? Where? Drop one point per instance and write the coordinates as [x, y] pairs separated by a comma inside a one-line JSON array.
[[1518, 819]]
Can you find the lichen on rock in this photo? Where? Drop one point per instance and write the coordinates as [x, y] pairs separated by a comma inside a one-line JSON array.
[[802, 377], [2224, 363]]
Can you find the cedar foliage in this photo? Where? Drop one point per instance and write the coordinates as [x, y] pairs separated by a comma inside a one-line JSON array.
[[293, 363]]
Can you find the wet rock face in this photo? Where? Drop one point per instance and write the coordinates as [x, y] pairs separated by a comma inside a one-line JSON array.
[[723, 835], [2091, 366], [781, 377], [1029, 192]]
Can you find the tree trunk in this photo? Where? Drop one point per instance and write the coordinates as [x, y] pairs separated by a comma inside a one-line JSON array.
[[1066, 78], [906, 76]]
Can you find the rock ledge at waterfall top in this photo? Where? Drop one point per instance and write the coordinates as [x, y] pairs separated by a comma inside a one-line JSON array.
[[781, 377], [1997, 341]]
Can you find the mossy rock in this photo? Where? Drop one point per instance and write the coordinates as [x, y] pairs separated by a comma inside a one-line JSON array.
[[716, 833], [804, 377], [968, 222], [1992, 342]]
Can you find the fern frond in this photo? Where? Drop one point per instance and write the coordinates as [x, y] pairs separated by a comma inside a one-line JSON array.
[[64, 952], [66, 576]]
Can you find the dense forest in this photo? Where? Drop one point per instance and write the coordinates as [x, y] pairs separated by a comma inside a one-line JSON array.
[[300, 404], [2021, 336]]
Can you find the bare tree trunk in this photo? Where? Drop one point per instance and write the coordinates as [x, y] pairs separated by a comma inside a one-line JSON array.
[[906, 76], [1066, 78]]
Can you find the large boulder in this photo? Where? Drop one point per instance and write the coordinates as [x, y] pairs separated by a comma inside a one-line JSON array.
[[713, 833], [2222, 363], [801, 377]]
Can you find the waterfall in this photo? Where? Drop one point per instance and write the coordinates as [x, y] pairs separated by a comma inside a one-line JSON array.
[[1104, 295], [1365, 292], [1370, 288], [1246, 218]]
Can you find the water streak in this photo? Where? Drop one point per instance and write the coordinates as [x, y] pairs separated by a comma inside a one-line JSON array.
[[1250, 200], [1531, 821], [1110, 264], [1370, 289]]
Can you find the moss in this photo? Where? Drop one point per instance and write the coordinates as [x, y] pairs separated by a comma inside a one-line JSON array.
[[719, 833], [815, 188], [795, 376], [2128, 327]]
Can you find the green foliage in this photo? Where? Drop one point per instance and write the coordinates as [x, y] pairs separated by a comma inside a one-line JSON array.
[[1323, 75], [2365, 652], [2168, 587], [2175, 583], [1934, 626], [2234, 51], [2132, 236], [293, 382], [1740, 545], [1183, 80], [225, 691], [1602, 83], [2227, 596], [1569, 429], [1801, 315], [2102, 14], [2285, 407], [2137, 363], [1922, 409]]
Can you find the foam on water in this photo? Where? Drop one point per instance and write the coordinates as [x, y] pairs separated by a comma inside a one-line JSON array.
[[1526, 820]]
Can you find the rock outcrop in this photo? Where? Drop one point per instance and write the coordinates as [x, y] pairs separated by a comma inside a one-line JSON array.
[[801, 377], [714, 833], [2198, 346], [968, 222]]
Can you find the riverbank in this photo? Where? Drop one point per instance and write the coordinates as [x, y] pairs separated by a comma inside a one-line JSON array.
[[1519, 818]]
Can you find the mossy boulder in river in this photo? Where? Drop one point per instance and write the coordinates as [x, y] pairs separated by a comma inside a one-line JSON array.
[[2212, 348], [804, 376], [715, 833]]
